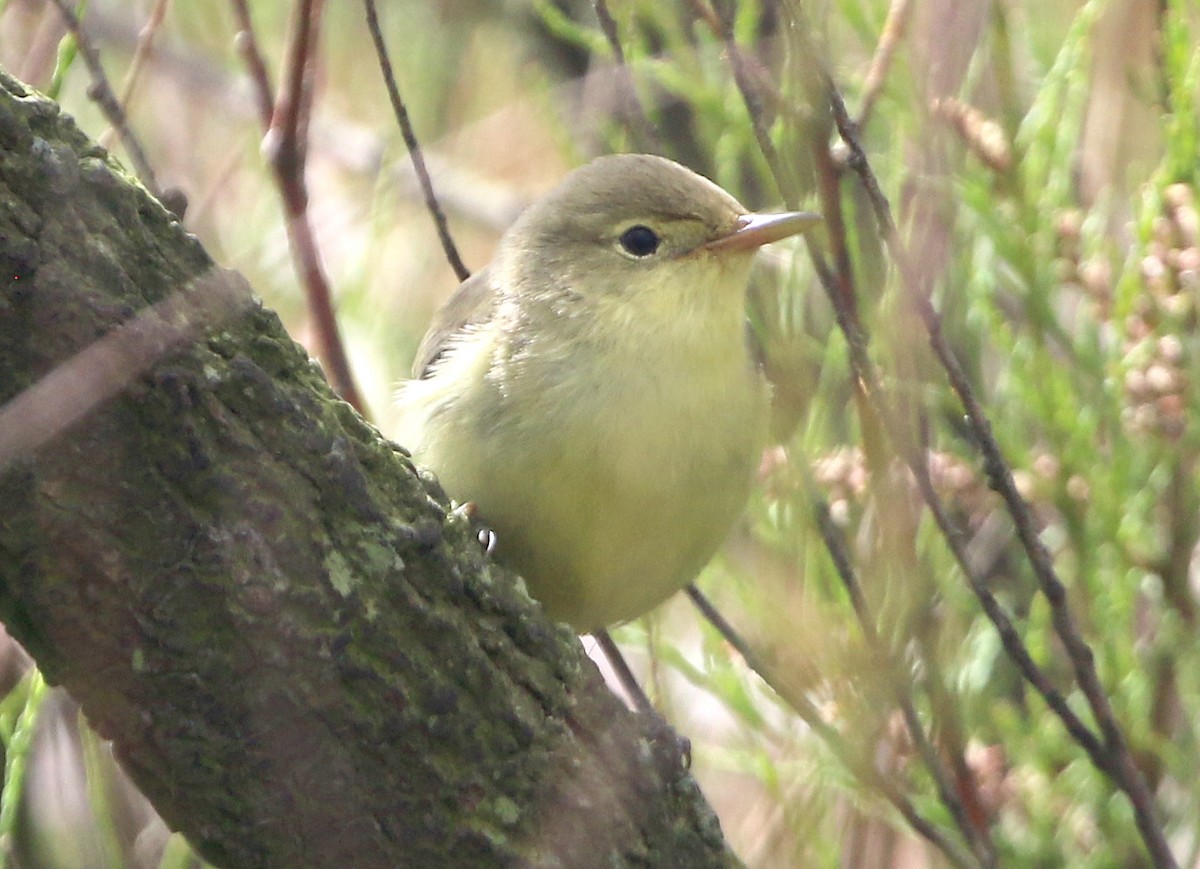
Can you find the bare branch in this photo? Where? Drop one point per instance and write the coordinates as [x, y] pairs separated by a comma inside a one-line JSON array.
[[721, 21], [1114, 758], [102, 93], [976, 836], [881, 63], [650, 140], [414, 146], [247, 44], [145, 46], [285, 144], [862, 769]]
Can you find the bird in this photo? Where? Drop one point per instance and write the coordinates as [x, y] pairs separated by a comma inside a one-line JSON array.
[[592, 391]]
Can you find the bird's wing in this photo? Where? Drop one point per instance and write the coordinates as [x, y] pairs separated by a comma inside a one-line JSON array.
[[473, 303]]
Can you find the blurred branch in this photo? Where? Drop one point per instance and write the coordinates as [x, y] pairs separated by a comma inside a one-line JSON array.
[[252, 57], [285, 144], [145, 46], [635, 109], [893, 31], [102, 93], [862, 769], [721, 22], [977, 836], [868, 385], [839, 288], [1114, 758], [982, 136], [99, 372], [829, 192], [414, 147]]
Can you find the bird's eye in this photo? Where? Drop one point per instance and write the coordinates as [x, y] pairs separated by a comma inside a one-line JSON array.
[[639, 241]]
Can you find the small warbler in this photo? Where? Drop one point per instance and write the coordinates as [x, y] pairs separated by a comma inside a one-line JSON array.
[[592, 390]]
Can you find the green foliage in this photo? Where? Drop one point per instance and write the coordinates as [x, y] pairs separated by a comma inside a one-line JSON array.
[[18, 716], [68, 48]]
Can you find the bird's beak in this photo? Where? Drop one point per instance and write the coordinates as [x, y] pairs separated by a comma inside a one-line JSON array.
[[754, 230]]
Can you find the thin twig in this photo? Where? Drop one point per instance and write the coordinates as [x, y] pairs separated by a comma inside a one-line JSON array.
[[868, 383], [867, 379], [102, 93], [830, 194], [1010, 637], [829, 735], [285, 145], [260, 79], [867, 387], [828, 184], [414, 147], [287, 140], [145, 46], [636, 111], [894, 27], [722, 22], [1115, 758], [707, 14], [625, 678], [945, 707], [831, 536]]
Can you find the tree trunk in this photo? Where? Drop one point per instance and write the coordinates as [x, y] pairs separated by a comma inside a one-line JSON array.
[[302, 657]]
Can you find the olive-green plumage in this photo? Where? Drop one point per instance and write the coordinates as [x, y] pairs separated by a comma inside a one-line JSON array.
[[592, 392]]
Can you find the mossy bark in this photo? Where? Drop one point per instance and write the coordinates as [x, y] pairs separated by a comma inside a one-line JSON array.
[[301, 656]]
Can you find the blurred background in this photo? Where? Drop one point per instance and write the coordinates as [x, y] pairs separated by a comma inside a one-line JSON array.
[[1041, 164]]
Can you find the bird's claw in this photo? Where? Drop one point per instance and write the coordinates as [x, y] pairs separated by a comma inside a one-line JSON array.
[[467, 511], [673, 750]]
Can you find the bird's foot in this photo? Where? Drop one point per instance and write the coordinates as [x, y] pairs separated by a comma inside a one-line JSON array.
[[467, 511], [672, 750]]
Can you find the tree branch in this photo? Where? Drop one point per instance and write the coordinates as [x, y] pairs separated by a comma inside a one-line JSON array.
[[285, 145], [301, 655]]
